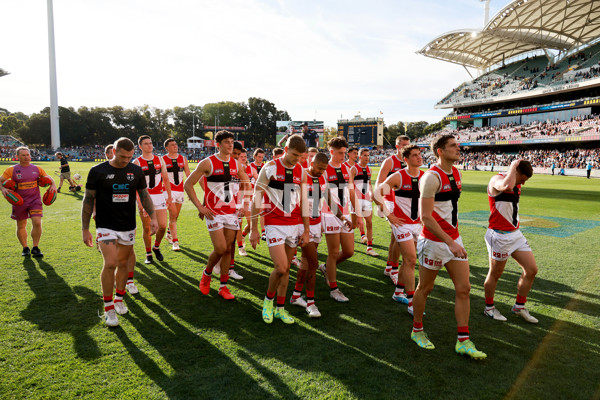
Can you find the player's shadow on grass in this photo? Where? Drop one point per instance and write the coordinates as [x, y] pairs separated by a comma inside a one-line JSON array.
[[59, 308], [200, 368], [194, 255]]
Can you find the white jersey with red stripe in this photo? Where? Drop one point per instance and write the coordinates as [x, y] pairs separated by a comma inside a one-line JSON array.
[[406, 197], [445, 208], [175, 169], [337, 183], [317, 188], [152, 172], [221, 185], [504, 209], [282, 194], [397, 165], [362, 181]]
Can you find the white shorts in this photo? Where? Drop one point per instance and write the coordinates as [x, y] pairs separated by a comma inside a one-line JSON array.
[[501, 245], [227, 221], [315, 233], [126, 238], [159, 200], [366, 207], [176, 197], [282, 234], [434, 255], [406, 232], [332, 224]]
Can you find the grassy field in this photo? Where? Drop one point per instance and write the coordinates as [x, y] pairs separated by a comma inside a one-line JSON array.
[[176, 343]]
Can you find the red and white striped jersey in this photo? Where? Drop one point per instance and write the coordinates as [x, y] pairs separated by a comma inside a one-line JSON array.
[[337, 183], [397, 165], [175, 171], [221, 186], [362, 179], [317, 188], [504, 209], [282, 195], [406, 198], [445, 208], [254, 167], [152, 171]]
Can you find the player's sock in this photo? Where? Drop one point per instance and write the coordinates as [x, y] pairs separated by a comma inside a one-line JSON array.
[[175, 240], [417, 326], [240, 243], [148, 252], [409, 297], [244, 234], [108, 303], [208, 272], [399, 289], [388, 267], [520, 303], [463, 333], [333, 285], [310, 298], [394, 270], [232, 264], [489, 303], [224, 279], [156, 244], [119, 296], [370, 245], [270, 296], [280, 302]]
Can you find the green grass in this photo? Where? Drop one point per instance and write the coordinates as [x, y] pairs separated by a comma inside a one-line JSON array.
[[177, 343]]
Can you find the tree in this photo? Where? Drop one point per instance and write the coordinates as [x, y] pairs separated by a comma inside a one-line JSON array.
[[390, 133], [187, 122], [263, 121], [415, 130]]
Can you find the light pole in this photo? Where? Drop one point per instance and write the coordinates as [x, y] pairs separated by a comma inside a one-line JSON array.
[[54, 126]]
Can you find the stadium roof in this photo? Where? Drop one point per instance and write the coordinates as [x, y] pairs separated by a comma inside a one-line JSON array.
[[520, 27]]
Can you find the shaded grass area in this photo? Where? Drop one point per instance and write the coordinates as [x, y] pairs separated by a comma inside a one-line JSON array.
[[177, 343]]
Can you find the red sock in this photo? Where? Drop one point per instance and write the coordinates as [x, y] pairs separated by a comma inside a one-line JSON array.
[[175, 240], [240, 243], [119, 295], [156, 244], [148, 250], [280, 301], [521, 300], [108, 303], [489, 302], [463, 333], [333, 285], [417, 326], [370, 243], [270, 295], [362, 233], [224, 279]]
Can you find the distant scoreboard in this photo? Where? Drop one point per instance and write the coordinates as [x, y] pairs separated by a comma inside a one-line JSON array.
[[368, 132]]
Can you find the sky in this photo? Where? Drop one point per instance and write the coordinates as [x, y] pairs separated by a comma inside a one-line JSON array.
[[320, 60]]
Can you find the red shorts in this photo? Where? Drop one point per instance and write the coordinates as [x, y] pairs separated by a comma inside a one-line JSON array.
[[30, 208]]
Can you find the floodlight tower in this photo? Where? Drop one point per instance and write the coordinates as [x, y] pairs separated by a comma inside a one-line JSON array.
[[486, 13], [54, 127]]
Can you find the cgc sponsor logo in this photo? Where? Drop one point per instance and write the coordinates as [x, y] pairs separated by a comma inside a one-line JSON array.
[[130, 176]]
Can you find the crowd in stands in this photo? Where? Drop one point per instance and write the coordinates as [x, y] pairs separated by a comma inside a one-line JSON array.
[[577, 158], [535, 130], [525, 75]]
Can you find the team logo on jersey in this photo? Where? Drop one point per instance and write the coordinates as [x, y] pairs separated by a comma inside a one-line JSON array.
[[130, 176], [407, 186], [446, 187], [218, 171], [332, 177], [19, 175], [280, 177]]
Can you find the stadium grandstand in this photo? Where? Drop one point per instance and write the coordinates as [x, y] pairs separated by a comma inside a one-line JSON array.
[[537, 85]]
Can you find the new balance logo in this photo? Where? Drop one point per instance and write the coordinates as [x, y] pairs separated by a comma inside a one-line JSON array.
[[110, 176]]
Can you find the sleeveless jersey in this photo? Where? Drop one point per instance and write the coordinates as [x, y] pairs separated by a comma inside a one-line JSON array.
[[282, 195], [445, 208], [175, 171], [406, 198], [254, 167], [151, 170], [317, 187], [337, 181], [397, 165], [504, 208], [361, 182], [221, 186]]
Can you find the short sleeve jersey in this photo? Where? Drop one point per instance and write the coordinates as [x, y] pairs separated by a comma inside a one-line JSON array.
[[116, 194], [26, 179], [64, 165]]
